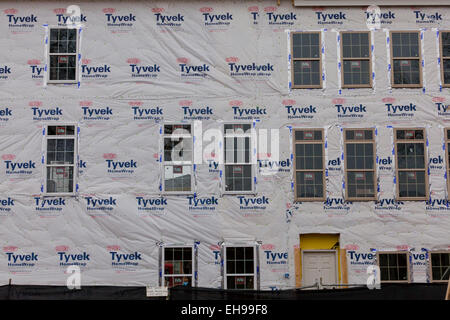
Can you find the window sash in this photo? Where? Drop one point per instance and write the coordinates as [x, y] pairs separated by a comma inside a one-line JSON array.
[[347, 170], [178, 275], [398, 170], [447, 156], [443, 58], [181, 163], [73, 165], [255, 265], [443, 271], [344, 59], [319, 59], [76, 54], [397, 267], [304, 142], [419, 58]]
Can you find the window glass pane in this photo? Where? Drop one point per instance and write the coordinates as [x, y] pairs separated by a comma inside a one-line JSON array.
[[305, 45], [177, 178], [238, 177], [406, 71], [60, 179], [307, 73], [356, 72]]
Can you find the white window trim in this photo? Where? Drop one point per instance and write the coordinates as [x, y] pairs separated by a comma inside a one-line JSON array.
[[252, 136], [192, 275], [163, 191], [255, 266], [77, 65], [75, 159]]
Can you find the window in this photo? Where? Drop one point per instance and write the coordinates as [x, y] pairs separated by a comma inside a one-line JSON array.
[[238, 158], [60, 159], [355, 60], [178, 266], [240, 268], [405, 59], [412, 179], [63, 50], [445, 58], [394, 266], [178, 146], [360, 177], [440, 266], [447, 148], [309, 165], [306, 59]]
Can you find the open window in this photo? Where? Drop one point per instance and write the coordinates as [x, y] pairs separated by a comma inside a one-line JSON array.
[[63, 49], [177, 159], [60, 159]]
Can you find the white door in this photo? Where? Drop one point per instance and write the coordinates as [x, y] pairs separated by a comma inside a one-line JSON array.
[[319, 264]]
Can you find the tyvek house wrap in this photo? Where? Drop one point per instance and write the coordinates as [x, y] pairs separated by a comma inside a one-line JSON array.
[[251, 32]]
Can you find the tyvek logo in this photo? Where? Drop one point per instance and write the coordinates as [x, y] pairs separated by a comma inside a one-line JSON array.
[[384, 17], [337, 204], [407, 110], [49, 204], [419, 259], [143, 71], [141, 112], [151, 204], [252, 69], [211, 19], [209, 204], [73, 259], [14, 167], [426, 17], [254, 13], [191, 113], [215, 249], [280, 166], [354, 111], [64, 19], [165, 20], [334, 164], [385, 164], [389, 204], [281, 19], [442, 109], [6, 204], [37, 69], [119, 166], [436, 163], [81, 166], [192, 71], [22, 260], [5, 114], [303, 112], [94, 72], [248, 113], [273, 257], [213, 166], [18, 22], [125, 259], [45, 114], [100, 204], [113, 20], [361, 258], [253, 203], [5, 72], [437, 205], [330, 18], [92, 113]]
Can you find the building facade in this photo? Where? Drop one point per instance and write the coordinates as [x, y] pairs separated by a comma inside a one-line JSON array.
[[233, 144]]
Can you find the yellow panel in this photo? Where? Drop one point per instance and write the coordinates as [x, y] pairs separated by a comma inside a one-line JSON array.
[[319, 241]]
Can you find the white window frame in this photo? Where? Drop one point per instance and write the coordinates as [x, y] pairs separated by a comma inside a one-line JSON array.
[[75, 158], [192, 275], [255, 266], [77, 65], [251, 160], [191, 162]]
